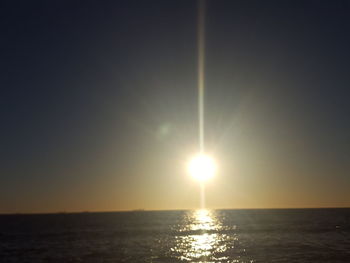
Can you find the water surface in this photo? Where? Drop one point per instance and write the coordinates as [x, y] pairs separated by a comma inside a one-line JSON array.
[[295, 235]]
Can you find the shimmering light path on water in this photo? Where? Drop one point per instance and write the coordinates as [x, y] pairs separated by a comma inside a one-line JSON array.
[[203, 239]]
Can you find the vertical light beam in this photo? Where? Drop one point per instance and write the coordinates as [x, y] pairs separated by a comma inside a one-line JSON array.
[[201, 61], [202, 195]]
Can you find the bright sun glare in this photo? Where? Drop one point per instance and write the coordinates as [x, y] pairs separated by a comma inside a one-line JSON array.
[[202, 167]]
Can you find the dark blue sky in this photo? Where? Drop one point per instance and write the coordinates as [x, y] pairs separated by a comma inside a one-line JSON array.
[[99, 103]]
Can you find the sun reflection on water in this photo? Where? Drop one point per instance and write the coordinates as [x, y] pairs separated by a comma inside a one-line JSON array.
[[200, 239], [203, 220]]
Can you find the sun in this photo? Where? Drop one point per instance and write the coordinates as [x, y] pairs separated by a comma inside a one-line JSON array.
[[202, 167]]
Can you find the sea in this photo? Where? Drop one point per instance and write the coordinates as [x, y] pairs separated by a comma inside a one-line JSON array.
[[271, 235]]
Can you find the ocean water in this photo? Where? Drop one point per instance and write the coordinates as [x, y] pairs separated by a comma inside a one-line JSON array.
[[295, 235]]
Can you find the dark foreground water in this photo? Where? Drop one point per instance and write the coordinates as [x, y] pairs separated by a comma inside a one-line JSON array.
[[308, 235]]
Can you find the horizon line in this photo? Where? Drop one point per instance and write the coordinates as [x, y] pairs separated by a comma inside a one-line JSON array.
[[160, 210]]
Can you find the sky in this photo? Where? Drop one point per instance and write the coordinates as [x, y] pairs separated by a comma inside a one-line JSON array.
[[98, 104]]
